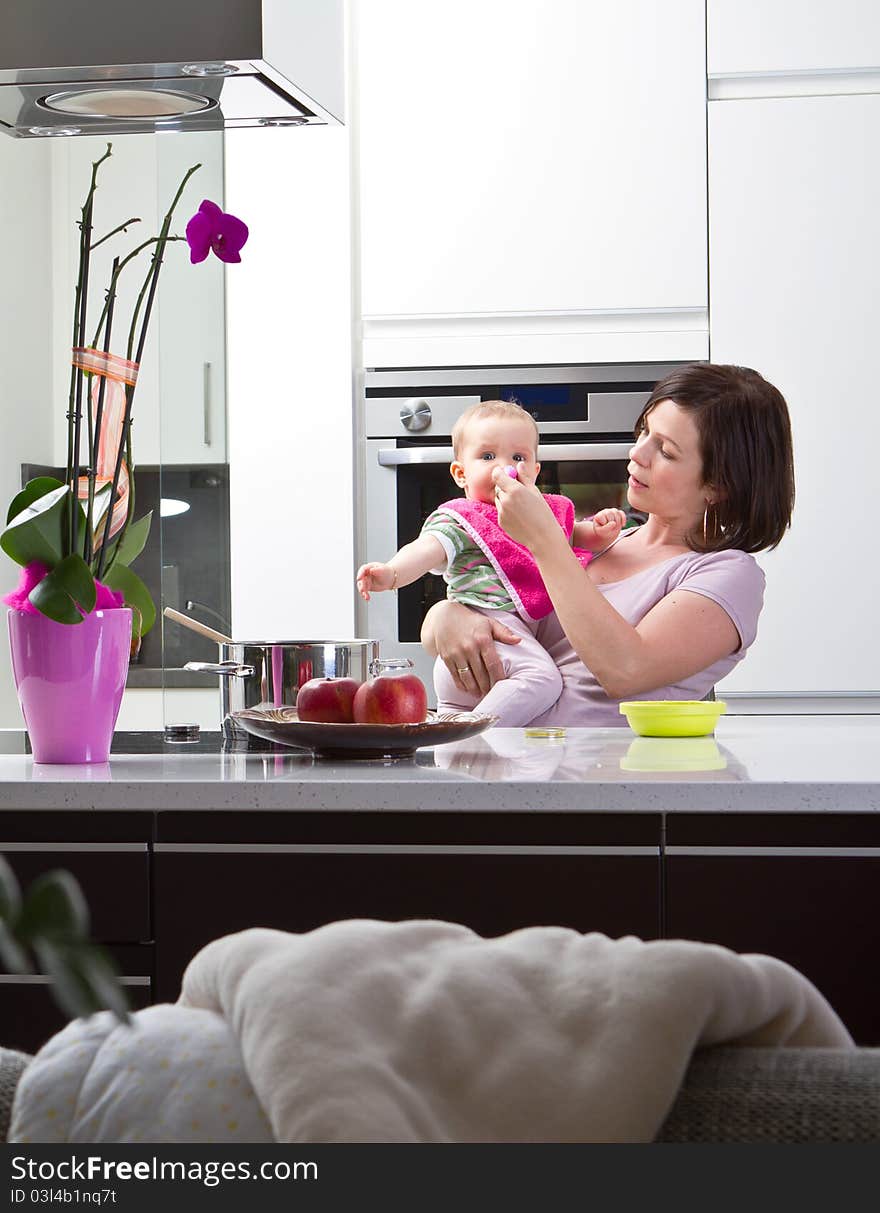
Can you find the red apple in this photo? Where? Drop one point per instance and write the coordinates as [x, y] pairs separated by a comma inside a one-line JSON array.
[[391, 699], [327, 700]]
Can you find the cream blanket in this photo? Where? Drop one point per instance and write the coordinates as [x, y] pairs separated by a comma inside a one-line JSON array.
[[365, 1031]]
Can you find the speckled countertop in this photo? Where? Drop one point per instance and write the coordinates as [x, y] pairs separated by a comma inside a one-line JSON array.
[[753, 763]]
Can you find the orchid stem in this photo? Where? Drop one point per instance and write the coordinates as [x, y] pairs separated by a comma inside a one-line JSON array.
[[123, 227], [152, 277], [117, 271], [73, 416], [77, 417], [96, 438]]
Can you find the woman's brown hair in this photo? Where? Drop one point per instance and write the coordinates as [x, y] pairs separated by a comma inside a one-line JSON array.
[[745, 444]]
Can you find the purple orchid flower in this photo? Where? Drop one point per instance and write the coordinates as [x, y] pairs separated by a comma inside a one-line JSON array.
[[212, 230]]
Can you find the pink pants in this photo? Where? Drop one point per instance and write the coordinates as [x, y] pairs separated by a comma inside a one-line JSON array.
[[531, 685]]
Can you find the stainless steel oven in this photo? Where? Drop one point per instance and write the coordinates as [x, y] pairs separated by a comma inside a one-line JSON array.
[[585, 417]]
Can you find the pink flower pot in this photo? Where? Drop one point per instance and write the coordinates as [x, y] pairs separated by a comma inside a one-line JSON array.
[[70, 679]]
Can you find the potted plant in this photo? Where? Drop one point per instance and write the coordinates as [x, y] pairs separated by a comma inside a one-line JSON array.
[[79, 608]]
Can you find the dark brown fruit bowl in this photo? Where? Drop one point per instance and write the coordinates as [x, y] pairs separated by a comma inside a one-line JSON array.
[[283, 726]]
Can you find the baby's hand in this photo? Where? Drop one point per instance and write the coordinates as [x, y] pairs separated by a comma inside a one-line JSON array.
[[608, 524], [375, 577]]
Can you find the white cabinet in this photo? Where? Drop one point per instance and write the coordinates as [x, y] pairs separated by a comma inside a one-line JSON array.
[[794, 188], [530, 171], [291, 443], [192, 312], [771, 36]]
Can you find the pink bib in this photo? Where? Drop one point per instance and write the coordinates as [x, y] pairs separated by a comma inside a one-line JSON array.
[[514, 564]]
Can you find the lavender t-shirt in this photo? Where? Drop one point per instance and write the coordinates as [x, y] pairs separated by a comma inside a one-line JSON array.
[[733, 579]]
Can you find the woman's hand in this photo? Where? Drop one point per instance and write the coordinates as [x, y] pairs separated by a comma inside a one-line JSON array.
[[465, 642], [522, 511]]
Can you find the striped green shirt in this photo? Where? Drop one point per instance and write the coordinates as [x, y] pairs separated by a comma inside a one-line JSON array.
[[469, 577]]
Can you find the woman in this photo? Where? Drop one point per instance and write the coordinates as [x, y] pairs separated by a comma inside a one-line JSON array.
[[671, 606]]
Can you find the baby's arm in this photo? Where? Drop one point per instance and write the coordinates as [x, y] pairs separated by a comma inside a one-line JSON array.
[[597, 532], [411, 562]]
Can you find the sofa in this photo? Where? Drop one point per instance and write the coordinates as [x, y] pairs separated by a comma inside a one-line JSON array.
[[765, 1096]]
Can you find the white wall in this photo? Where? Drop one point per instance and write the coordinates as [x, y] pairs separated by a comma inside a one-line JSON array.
[[149, 709], [290, 393], [26, 339]]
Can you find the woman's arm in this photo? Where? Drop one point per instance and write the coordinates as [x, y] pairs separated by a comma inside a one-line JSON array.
[[684, 633], [465, 639]]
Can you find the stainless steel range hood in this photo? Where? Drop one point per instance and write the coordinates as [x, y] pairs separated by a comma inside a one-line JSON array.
[[92, 67]]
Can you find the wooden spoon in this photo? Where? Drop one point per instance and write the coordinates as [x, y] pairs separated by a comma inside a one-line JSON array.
[[195, 626]]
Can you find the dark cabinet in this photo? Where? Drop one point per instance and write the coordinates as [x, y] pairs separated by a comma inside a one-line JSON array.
[[802, 887], [491, 875], [109, 855], [29, 1014], [806, 890]]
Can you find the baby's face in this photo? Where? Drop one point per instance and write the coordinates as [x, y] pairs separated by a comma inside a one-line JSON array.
[[491, 442]]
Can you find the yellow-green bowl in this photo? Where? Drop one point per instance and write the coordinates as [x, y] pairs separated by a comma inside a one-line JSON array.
[[673, 717]]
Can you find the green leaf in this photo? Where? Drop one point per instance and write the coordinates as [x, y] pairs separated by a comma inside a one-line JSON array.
[[54, 602], [100, 502], [38, 532], [134, 540], [67, 588], [13, 955], [98, 969], [32, 491], [10, 892], [70, 991], [72, 574], [109, 559], [136, 594], [55, 909], [84, 979]]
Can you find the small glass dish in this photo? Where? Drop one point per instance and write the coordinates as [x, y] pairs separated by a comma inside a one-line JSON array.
[[673, 717]]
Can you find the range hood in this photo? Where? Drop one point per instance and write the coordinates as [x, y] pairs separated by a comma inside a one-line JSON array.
[[95, 67]]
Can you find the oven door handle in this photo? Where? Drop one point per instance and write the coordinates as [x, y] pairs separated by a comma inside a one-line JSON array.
[[551, 452]]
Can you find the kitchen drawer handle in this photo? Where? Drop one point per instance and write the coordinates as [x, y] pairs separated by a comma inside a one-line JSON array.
[[229, 669], [111, 848], [589, 451], [38, 979], [781, 852], [333, 848]]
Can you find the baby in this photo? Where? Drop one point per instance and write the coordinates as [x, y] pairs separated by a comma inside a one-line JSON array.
[[486, 569]]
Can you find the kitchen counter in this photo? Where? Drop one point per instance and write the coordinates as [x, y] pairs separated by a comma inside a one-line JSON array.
[[814, 764]]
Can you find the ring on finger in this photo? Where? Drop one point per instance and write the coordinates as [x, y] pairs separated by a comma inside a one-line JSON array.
[[462, 669]]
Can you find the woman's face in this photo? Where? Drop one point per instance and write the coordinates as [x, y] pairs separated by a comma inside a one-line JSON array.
[[666, 468]]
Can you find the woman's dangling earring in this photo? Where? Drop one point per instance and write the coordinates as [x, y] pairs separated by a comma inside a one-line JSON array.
[[706, 525]]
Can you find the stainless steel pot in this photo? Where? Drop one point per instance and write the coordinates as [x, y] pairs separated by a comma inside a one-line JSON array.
[[269, 674]]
